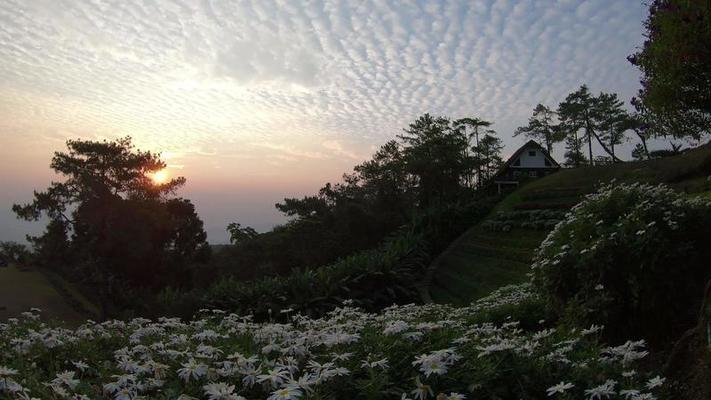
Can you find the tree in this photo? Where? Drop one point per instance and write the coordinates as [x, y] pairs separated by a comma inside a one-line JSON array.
[[435, 154], [542, 127], [639, 152], [118, 228], [574, 116], [676, 67], [386, 183], [14, 252], [488, 153], [239, 235], [475, 126], [612, 120], [640, 122], [581, 110], [574, 156]]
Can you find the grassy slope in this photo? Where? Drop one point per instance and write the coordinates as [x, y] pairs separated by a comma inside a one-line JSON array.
[[480, 261], [21, 289]]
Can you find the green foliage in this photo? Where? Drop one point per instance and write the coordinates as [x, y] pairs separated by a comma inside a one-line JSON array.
[[375, 278], [434, 152], [634, 258], [599, 117], [676, 66], [488, 156], [472, 128], [612, 121], [238, 234], [542, 127], [372, 278], [14, 252]]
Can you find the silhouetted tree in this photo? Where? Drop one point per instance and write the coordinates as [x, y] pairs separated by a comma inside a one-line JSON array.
[[542, 127], [676, 67], [574, 114], [14, 252], [581, 110], [238, 234], [611, 120], [120, 230], [488, 154], [434, 152], [472, 128]]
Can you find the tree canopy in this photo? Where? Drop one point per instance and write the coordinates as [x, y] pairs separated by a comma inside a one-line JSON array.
[[110, 225], [675, 61]]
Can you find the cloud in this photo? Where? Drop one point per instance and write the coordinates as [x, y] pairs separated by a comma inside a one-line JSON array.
[[267, 61], [295, 81], [289, 150], [339, 149]]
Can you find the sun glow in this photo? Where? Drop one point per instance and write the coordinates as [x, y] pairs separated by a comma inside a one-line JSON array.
[[159, 177]]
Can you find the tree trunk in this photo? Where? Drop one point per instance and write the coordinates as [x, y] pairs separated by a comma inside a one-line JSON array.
[[478, 164], [604, 147], [587, 132], [644, 144]]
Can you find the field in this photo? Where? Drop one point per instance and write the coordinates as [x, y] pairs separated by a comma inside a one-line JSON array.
[[25, 288], [481, 260]]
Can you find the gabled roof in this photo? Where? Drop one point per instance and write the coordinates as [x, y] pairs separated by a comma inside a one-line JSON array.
[[527, 145]]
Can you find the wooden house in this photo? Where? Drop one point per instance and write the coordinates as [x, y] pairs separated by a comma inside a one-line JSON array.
[[531, 161]]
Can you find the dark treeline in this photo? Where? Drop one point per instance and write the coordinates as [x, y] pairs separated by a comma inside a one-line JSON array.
[[435, 164]]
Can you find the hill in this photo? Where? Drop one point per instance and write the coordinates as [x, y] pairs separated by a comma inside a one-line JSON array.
[[498, 250], [25, 288]]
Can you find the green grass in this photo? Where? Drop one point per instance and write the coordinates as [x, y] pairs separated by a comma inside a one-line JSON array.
[[480, 261], [24, 288], [687, 172]]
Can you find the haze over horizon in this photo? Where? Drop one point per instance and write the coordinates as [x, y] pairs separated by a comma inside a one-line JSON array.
[[257, 101]]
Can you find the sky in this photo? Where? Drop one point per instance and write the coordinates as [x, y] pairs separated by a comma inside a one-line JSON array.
[[254, 101]]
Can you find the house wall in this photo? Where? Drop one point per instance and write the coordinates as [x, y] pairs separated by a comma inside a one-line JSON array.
[[532, 161]]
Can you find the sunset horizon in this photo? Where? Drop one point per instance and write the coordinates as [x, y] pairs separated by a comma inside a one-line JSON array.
[[255, 103]]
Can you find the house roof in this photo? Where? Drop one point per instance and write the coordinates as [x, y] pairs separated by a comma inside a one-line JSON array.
[[527, 145]]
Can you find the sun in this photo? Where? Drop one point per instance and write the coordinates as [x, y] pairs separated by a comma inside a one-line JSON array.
[[159, 177]]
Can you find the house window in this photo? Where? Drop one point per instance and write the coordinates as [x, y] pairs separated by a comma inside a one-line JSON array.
[[533, 174], [517, 163], [532, 153]]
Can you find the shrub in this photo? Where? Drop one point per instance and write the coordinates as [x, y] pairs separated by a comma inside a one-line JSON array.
[[633, 257], [372, 278]]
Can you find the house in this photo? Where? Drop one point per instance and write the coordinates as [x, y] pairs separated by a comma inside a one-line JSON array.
[[528, 162]]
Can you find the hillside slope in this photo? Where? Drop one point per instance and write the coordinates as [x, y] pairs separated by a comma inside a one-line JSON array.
[[498, 250], [22, 289]]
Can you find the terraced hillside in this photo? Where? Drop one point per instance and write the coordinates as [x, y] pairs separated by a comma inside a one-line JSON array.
[[498, 250], [480, 262]]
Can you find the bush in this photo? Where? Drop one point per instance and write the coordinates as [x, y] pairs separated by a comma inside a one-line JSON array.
[[634, 258], [372, 278]]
